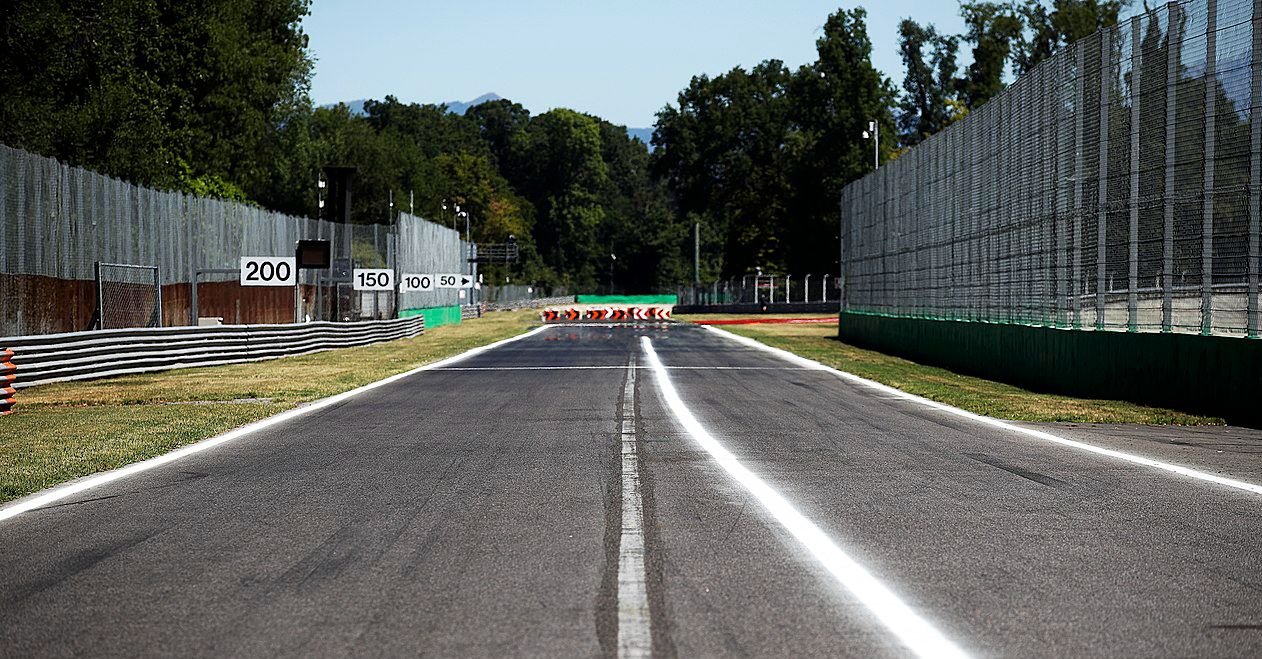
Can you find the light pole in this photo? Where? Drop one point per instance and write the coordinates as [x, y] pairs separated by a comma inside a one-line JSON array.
[[874, 133], [612, 257]]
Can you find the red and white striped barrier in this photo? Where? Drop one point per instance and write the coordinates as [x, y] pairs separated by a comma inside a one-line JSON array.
[[605, 314], [8, 376]]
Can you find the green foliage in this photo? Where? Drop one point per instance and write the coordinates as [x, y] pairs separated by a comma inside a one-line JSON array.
[[759, 157], [930, 88], [158, 92], [1050, 28]]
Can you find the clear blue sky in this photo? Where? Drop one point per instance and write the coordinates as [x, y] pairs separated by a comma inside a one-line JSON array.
[[620, 60]]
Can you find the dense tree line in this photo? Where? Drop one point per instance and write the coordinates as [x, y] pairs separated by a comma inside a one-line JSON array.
[[759, 156], [213, 98]]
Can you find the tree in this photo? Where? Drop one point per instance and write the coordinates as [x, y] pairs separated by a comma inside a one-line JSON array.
[[929, 86], [1066, 21], [993, 29], [161, 93]]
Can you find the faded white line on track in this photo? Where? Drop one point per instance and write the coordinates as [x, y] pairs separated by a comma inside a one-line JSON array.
[[913, 631], [634, 632], [619, 368], [60, 492], [997, 423]]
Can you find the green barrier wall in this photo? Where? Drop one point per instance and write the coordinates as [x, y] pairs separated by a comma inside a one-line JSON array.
[[435, 316], [1212, 375], [627, 299]]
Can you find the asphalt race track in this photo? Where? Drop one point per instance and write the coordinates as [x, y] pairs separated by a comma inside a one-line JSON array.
[[555, 496]]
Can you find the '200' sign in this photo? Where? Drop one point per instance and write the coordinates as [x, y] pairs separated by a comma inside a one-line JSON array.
[[268, 271]]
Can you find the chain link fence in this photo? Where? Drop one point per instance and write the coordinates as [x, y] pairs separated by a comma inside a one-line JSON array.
[[1114, 186], [57, 222]]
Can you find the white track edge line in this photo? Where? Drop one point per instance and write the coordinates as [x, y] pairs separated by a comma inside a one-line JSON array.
[[60, 492], [913, 631], [991, 421]]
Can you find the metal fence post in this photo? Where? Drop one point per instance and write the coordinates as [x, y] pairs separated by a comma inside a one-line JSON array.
[[1207, 208], [1080, 120], [96, 272], [1174, 37], [157, 287], [1132, 295], [1101, 269], [1255, 169]]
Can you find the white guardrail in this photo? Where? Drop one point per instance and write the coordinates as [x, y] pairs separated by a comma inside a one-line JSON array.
[[42, 359]]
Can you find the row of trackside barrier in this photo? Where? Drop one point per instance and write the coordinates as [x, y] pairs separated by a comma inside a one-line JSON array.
[[8, 377], [86, 355], [605, 314]]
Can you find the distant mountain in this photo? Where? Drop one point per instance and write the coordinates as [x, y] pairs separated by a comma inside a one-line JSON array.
[[644, 134], [460, 107], [456, 107]]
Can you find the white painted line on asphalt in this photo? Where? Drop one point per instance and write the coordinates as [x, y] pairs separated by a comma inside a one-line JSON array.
[[60, 492], [998, 423], [913, 631], [634, 631], [610, 368]]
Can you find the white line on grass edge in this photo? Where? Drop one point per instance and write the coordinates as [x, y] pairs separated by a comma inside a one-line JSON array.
[[990, 421], [59, 492], [913, 631]]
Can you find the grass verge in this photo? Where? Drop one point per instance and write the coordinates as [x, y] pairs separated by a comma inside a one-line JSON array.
[[995, 399], [72, 429]]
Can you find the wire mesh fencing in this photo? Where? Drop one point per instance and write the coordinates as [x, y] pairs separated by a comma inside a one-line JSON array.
[[57, 222], [1114, 186], [127, 296], [762, 290]]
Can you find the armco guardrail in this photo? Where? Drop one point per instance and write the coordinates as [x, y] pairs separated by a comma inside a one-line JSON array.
[[84, 355], [8, 376], [470, 311]]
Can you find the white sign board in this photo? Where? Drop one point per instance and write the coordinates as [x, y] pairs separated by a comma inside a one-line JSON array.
[[373, 279], [269, 271], [454, 281], [409, 283]]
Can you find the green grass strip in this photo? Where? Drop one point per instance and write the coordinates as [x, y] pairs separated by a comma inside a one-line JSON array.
[[67, 430], [995, 399]]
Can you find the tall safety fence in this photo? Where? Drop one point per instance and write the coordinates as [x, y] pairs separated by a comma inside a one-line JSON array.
[[1115, 186], [58, 222]]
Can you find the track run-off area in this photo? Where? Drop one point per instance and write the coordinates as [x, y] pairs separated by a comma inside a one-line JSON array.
[[625, 490]]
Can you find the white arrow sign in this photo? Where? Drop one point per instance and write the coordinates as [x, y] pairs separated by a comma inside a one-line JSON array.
[[453, 281]]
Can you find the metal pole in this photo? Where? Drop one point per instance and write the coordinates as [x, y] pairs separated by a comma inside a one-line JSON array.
[[157, 286], [1132, 294], [696, 253], [806, 289], [1167, 232], [1207, 209], [1255, 172], [1101, 268], [1079, 182], [823, 289], [788, 279], [100, 308], [192, 306], [876, 145]]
